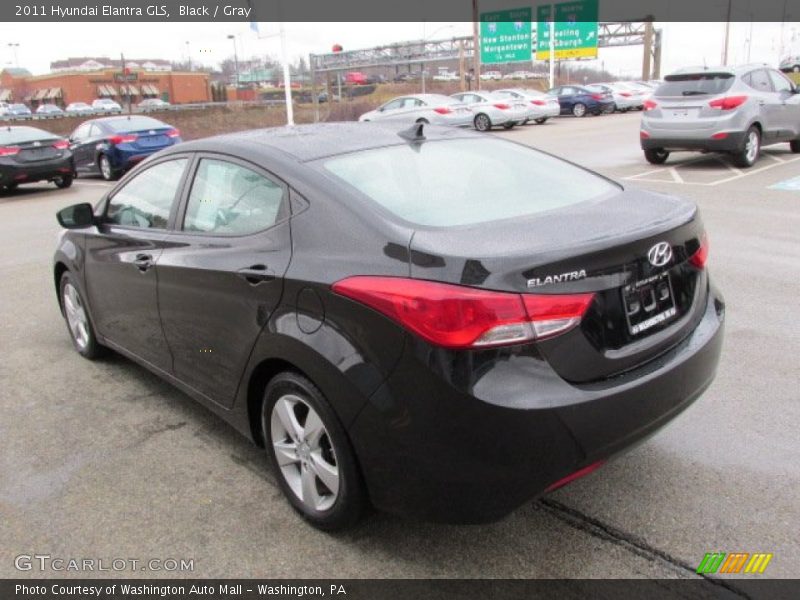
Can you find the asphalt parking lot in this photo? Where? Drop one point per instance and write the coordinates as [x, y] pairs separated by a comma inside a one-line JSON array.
[[105, 460]]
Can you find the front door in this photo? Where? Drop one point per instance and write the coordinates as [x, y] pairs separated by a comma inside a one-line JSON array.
[[121, 256]]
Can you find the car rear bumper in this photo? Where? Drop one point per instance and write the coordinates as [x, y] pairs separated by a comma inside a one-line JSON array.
[[469, 439], [11, 172], [734, 140]]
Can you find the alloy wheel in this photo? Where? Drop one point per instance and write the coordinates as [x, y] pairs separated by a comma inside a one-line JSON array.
[[304, 452], [751, 146], [579, 110], [482, 122], [105, 167], [76, 316]]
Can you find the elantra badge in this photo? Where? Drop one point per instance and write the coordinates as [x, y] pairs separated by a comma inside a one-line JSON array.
[[660, 254], [560, 278]]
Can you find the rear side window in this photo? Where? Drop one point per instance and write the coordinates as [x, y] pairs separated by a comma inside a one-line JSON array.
[[695, 84], [758, 80], [146, 200], [229, 199], [467, 181]]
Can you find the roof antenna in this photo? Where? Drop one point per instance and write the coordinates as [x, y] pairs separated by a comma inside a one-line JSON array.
[[413, 133]]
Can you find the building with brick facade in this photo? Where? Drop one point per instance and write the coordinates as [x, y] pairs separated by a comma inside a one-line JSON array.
[[85, 86]]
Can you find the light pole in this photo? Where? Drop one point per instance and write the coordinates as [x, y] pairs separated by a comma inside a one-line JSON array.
[[235, 58], [189, 54], [15, 46]]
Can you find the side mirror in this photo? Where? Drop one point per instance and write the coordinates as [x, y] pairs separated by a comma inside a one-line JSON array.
[[76, 216]]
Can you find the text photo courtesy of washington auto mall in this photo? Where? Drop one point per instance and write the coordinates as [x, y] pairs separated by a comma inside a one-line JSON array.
[[456, 299]]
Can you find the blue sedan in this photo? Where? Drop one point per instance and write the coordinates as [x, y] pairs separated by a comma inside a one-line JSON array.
[[109, 146], [577, 100]]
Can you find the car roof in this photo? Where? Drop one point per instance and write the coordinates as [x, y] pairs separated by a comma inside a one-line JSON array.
[[313, 141], [733, 70]]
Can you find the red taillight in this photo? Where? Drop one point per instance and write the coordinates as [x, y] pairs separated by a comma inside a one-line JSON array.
[[123, 139], [728, 103], [173, 133], [649, 105], [576, 475], [720, 136], [9, 150], [61, 145], [455, 316], [644, 135], [443, 110], [502, 106], [598, 96], [699, 258], [625, 94], [538, 102]]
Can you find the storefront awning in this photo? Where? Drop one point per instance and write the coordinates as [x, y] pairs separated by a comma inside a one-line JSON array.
[[40, 94], [5, 95], [129, 90], [53, 93], [150, 90]]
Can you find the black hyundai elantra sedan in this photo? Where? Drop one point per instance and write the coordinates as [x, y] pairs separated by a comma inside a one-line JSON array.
[[429, 321]]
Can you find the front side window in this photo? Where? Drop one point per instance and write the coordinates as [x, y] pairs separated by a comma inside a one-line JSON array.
[[419, 184], [780, 82], [229, 199], [146, 200], [394, 104]]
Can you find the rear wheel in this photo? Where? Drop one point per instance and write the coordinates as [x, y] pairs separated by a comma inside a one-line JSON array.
[[11, 186], [311, 454], [482, 122], [656, 156], [63, 182], [747, 155], [106, 170], [541, 121], [77, 317], [795, 146], [508, 125], [579, 110]]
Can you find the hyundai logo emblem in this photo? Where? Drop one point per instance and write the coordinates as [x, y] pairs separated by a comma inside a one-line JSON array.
[[660, 254]]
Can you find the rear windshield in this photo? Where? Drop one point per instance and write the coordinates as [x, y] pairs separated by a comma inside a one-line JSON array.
[[695, 84], [20, 135], [134, 124], [467, 181]]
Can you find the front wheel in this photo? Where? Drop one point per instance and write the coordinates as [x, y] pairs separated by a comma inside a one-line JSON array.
[[79, 324], [106, 170], [311, 453], [656, 156], [541, 121], [482, 122], [63, 182], [579, 110], [747, 155]]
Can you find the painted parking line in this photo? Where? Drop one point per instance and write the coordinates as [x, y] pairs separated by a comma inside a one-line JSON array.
[[788, 185], [675, 177]]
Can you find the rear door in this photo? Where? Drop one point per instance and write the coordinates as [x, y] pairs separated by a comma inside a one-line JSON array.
[[788, 114], [82, 149], [121, 254], [770, 105], [221, 272]]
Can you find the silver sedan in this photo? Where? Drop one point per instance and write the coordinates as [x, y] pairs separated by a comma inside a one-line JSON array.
[[543, 106], [435, 109], [490, 109]]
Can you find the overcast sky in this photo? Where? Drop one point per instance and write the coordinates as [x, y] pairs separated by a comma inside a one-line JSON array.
[[40, 43]]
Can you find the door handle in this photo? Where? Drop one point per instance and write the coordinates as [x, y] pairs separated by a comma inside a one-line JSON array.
[[143, 262], [256, 274]]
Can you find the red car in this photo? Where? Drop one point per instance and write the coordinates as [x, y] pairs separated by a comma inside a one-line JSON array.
[[356, 78]]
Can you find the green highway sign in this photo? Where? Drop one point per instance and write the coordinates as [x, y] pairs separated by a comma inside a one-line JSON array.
[[506, 36], [575, 30]]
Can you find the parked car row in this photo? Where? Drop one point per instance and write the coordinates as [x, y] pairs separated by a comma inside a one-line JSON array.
[[106, 146], [101, 106]]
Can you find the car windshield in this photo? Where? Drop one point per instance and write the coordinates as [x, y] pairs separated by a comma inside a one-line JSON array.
[[133, 124], [695, 84], [20, 135], [419, 184]]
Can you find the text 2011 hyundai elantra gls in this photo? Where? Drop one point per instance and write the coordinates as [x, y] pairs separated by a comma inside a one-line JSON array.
[[435, 322]]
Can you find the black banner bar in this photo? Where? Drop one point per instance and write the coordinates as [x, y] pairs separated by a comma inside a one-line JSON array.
[[379, 10], [371, 589]]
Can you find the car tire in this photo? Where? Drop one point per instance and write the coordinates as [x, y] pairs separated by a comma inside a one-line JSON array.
[[747, 155], [525, 122], [106, 170], [63, 182], [315, 464], [541, 121], [656, 156], [10, 187], [579, 110], [796, 69], [423, 121], [482, 122], [508, 125], [610, 109], [795, 146], [79, 324]]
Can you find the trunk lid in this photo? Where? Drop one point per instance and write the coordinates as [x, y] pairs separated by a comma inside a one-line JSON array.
[[599, 246]]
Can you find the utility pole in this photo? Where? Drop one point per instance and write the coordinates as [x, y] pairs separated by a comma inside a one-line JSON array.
[[189, 55], [476, 45], [287, 84], [727, 35], [648, 48], [235, 60], [552, 26]]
